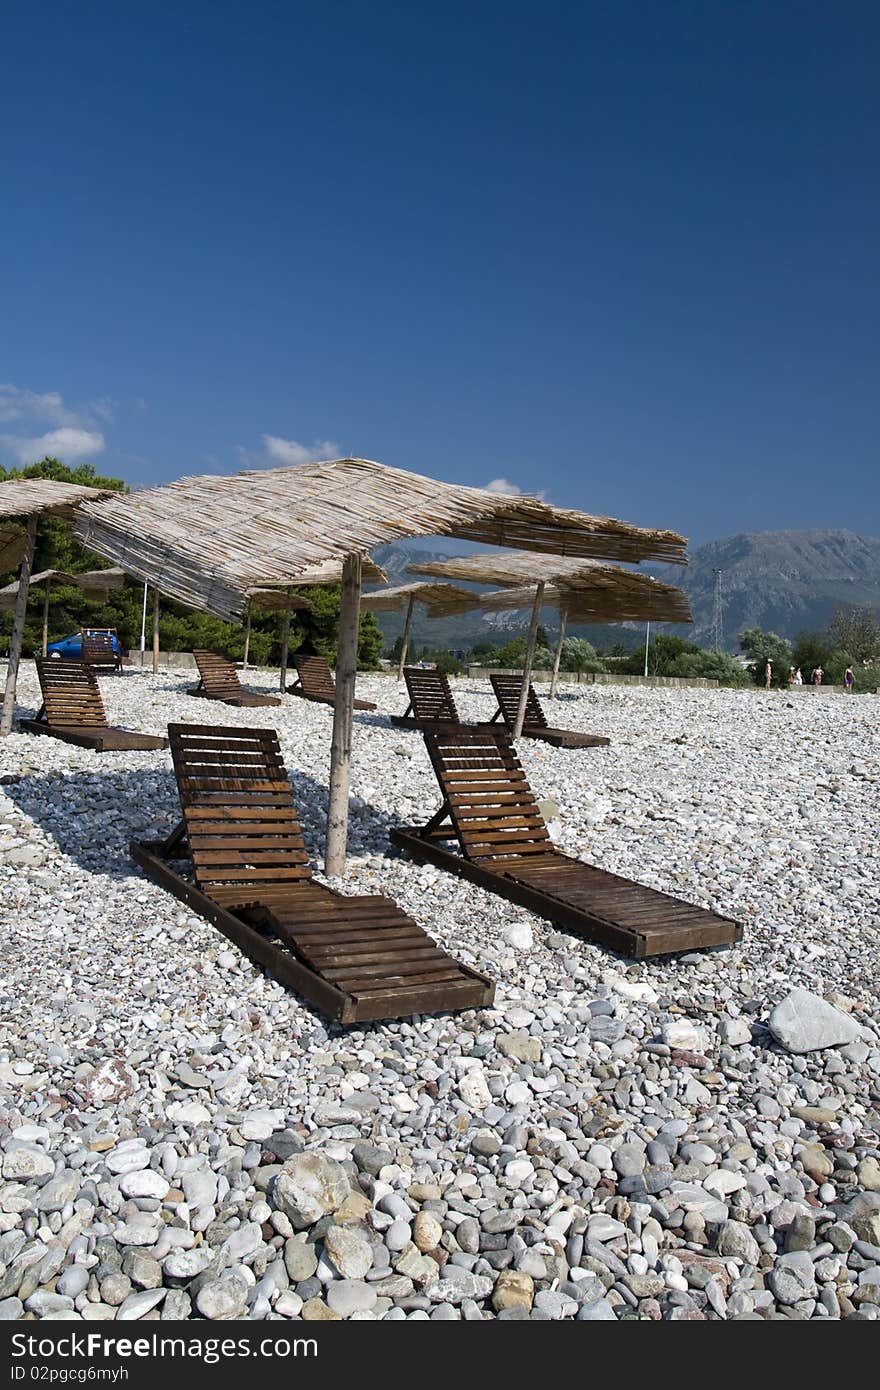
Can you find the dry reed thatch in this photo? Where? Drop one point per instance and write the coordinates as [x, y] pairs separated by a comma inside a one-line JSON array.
[[93, 583], [643, 599], [209, 540], [12, 544], [30, 496], [440, 600], [278, 600], [585, 590]]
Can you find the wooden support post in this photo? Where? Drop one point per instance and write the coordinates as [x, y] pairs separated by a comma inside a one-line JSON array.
[[18, 621], [527, 663], [406, 627], [44, 644], [247, 638], [285, 641], [563, 618], [343, 710], [155, 632]]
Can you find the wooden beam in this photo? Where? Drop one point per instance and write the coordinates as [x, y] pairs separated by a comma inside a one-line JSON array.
[[44, 644], [18, 621], [285, 640], [155, 632], [247, 638], [406, 627], [563, 618], [529, 660], [343, 712]]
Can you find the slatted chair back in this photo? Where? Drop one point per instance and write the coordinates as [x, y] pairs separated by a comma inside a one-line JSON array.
[[71, 695], [430, 695], [219, 677], [97, 648], [492, 808], [315, 676], [241, 822], [507, 690]]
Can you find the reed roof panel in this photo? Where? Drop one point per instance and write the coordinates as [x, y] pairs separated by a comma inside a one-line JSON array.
[[209, 540]]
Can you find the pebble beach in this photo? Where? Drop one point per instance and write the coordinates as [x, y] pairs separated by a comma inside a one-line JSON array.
[[692, 1137]]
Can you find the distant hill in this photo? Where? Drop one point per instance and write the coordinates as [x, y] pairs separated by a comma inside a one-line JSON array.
[[782, 581]]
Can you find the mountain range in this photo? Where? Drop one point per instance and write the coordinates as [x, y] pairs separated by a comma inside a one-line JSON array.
[[782, 581]]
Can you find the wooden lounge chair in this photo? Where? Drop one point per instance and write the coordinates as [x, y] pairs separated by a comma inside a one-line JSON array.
[[430, 699], [504, 846], [315, 682], [354, 958], [535, 724], [97, 649], [218, 680], [73, 710]]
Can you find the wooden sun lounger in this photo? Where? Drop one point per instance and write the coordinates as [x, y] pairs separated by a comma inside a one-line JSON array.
[[73, 710], [354, 958], [504, 846], [430, 700], [315, 682], [507, 689], [218, 680], [97, 651]]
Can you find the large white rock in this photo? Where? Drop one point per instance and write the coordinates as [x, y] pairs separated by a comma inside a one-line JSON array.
[[805, 1022], [309, 1186], [474, 1090]]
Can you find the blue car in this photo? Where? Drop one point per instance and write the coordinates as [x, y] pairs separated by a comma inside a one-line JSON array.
[[71, 647]]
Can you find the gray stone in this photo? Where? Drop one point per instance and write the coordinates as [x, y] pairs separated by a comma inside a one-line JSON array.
[[143, 1271], [601, 1311], [187, 1264], [349, 1250], [73, 1281], [137, 1304], [221, 1299], [459, 1285], [736, 1241], [300, 1258], [805, 1022], [370, 1158], [347, 1296], [792, 1278], [59, 1190]]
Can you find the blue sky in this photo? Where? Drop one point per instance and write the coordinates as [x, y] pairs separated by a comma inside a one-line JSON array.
[[624, 254]]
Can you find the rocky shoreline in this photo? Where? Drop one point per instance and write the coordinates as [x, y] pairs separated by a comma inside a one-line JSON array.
[[687, 1138]]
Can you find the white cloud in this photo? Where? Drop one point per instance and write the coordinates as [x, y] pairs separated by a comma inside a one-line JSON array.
[[67, 443], [502, 488], [47, 426], [291, 452], [17, 403]]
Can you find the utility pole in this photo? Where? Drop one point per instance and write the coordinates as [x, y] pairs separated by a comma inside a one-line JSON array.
[[717, 619]]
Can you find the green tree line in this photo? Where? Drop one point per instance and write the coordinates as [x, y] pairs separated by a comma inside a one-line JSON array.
[[180, 628]]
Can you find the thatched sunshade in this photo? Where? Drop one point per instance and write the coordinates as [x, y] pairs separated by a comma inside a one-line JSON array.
[[32, 498], [286, 600], [440, 601], [95, 584], [582, 590], [13, 540], [277, 601], [209, 541]]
